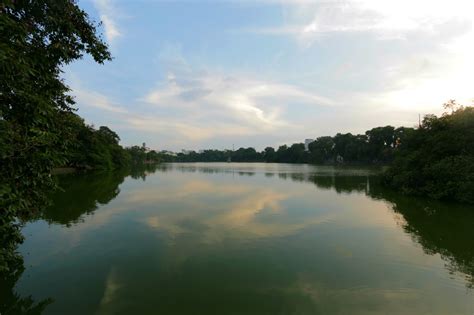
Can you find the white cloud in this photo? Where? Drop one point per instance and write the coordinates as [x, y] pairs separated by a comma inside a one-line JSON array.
[[108, 15], [388, 19], [195, 107], [432, 63], [450, 76], [249, 102]]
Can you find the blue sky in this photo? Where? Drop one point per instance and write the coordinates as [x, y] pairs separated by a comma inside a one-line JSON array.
[[210, 74]]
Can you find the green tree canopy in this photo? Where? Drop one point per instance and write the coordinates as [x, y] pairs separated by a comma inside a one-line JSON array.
[[438, 158], [37, 37]]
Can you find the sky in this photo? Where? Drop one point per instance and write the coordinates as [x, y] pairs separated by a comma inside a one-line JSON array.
[[213, 74]]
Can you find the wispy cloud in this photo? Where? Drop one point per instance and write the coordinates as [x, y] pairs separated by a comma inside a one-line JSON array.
[[422, 76], [202, 105], [243, 100], [94, 99], [311, 20], [108, 15]]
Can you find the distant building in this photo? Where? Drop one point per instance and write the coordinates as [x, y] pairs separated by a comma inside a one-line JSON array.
[[306, 143]]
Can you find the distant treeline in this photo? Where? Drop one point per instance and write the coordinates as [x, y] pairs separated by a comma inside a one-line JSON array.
[[436, 159], [376, 146]]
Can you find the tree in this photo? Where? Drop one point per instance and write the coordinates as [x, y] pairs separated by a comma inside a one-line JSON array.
[[137, 154], [37, 37], [346, 146], [381, 141], [322, 150], [437, 159], [282, 154], [451, 105], [269, 154], [246, 155], [109, 136], [297, 153]]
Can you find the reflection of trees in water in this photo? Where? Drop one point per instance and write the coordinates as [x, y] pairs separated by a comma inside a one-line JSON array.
[[12, 303], [342, 184], [210, 169], [81, 193], [441, 228], [142, 171]]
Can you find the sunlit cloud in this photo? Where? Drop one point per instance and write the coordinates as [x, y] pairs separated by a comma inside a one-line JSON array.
[[248, 101], [423, 82], [193, 105]]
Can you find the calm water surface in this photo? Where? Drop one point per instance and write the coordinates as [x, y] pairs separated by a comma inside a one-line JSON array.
[[225, 238]]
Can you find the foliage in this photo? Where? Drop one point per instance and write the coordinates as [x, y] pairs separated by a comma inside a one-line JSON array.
[[36, 39], [269, 154], [93, 149], [437, 159], [322, 150], [82, 193], [204, 156], [246, 155], [376, 146], [12, 303], [139, 155]]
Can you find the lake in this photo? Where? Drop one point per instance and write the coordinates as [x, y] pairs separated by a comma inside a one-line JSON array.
[[246, 238]]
